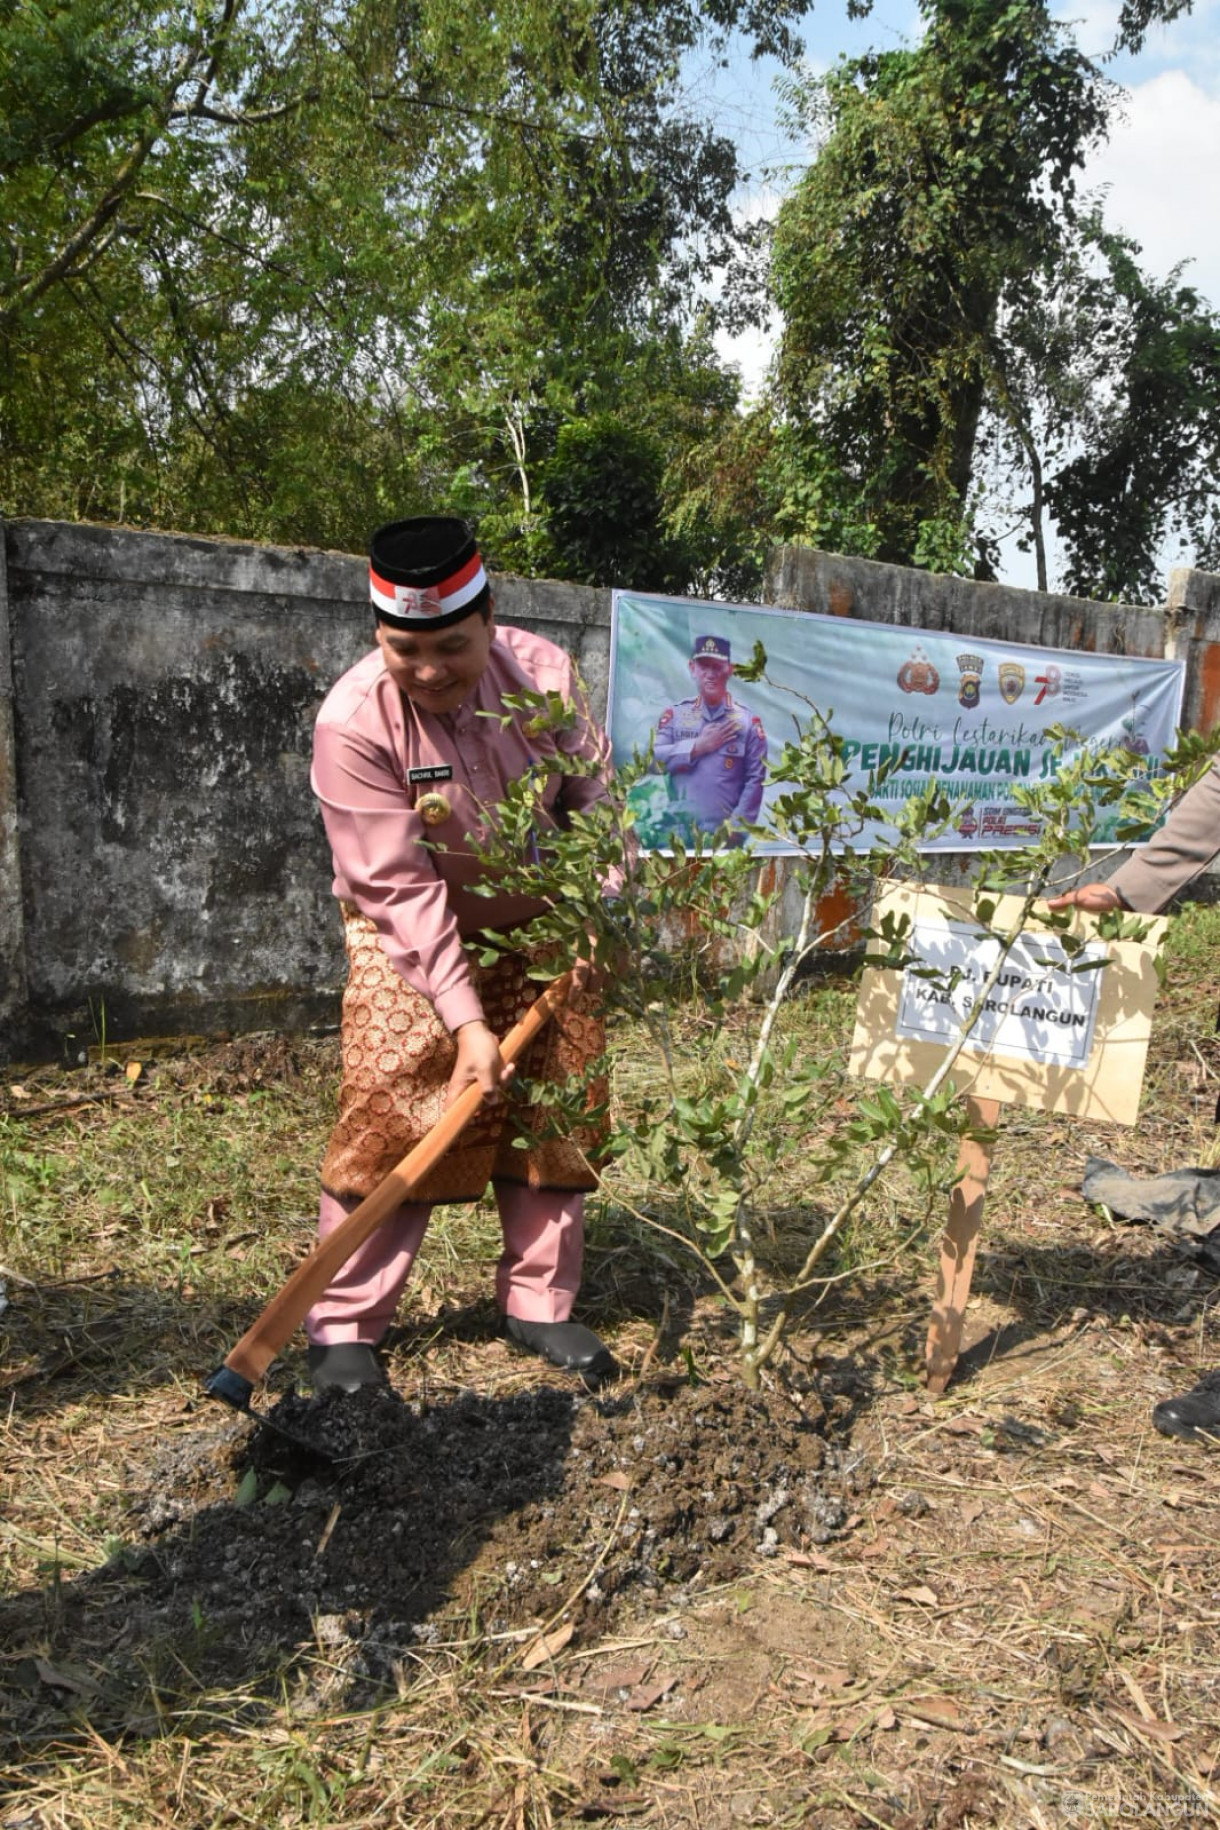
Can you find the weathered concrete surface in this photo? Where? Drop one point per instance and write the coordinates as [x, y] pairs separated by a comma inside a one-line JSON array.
[[175, 872], [14, 996], [801, 578], [1194, 616], [165, 690]]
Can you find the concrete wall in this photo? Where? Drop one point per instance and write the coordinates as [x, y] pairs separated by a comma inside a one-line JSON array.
[[162, 866], [799, 578], [1193, 616], [14, 999], [164, 869]]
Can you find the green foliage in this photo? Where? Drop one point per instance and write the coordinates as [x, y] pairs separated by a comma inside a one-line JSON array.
[[286, 272], [964, 341], [1136, 16], [280, 272], [1143, 443], [695, 928], [604, 506], [943, 179]]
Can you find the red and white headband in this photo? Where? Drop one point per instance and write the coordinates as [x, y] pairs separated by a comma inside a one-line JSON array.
[[426, 571]]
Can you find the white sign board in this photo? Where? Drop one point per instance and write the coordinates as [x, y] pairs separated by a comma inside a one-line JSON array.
[[1039, 1008], [1061, 1041]]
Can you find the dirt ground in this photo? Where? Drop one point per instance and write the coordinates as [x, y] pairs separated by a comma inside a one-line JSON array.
[[834, 1602]]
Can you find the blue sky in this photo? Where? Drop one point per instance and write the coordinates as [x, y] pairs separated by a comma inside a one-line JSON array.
[[1160, 168]]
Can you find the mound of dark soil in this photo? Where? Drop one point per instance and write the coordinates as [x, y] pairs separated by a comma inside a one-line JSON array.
[[500, 1513]]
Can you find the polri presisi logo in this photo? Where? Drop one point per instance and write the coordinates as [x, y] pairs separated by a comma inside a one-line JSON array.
[[918, 674], [1012, 681], [970, 666], [1049, 684], [410, 601]]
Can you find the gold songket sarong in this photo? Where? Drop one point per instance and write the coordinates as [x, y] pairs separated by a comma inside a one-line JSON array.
[[397, 1059]]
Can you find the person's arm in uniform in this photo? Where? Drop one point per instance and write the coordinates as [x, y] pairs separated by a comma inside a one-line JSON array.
[[747, 808], [1184, 846], [671, 754]]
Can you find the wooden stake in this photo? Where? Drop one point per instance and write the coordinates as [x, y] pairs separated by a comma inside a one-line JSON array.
[[957, 1248]]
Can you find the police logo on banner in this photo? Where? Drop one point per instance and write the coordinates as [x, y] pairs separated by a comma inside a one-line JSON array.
[[918, 674], [1012, 681], [970, 667]]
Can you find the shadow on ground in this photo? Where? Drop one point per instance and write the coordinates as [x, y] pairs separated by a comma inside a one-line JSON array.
[[247, 1564]]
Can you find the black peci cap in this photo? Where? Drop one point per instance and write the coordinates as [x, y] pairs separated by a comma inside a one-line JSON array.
[[425, 572]]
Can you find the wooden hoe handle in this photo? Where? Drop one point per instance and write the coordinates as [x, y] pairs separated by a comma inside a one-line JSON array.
[[286, 1311]]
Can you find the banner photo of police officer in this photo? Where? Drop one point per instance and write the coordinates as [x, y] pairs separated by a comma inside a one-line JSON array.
[[922, 705]]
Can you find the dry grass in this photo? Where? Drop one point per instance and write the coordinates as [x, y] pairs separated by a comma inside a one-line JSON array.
[[1018, 1626]]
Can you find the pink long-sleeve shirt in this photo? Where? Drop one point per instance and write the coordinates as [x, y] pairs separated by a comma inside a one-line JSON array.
[[376, 754]]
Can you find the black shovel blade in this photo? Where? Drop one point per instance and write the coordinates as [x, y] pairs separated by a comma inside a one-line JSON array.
[[235, 1390]]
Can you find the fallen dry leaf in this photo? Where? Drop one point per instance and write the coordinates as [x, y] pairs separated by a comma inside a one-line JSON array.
[[935, 1712], [546, 1646], [833, 1677], [66, 1677], [848, 1727], [618, 1480], [922, 1597], [619, 1677], [133, 1070], [1141, 1702], [17, 1375], [972, 1510], [647, 1694], [544, 1685], [1160, 1731]]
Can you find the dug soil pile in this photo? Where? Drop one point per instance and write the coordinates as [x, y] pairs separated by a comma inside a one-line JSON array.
[[546, 1505]]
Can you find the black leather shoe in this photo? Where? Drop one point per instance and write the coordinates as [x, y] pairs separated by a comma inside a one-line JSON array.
[[567, 1344], [1195, 1416], [344, 1366]]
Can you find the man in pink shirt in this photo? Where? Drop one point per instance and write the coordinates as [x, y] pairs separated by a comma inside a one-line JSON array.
[[413, 748]]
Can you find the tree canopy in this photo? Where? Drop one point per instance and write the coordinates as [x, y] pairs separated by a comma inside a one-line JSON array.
[[285, 270], [231, 228], [957, 316]]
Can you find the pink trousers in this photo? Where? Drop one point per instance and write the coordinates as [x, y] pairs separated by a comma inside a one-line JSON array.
[[536, 1280]]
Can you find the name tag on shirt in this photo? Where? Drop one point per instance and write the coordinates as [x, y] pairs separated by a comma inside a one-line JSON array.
[[437, 772]]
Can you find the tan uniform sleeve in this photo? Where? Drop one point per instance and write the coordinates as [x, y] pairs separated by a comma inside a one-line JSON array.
[[1185, 845]]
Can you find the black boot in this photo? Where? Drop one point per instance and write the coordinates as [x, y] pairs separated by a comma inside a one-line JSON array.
[[567, 1344], [1195, 1416], [344, 1366]]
